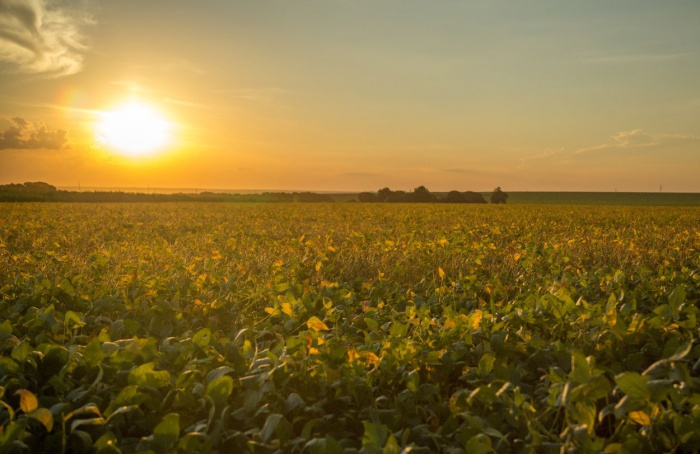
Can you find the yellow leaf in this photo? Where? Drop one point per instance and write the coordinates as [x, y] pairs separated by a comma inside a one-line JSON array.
[[517, 256], [27, 400], [316, 324], [442, 242], [441, 272], [370, 358], [640, 418], [287, 309], [44, 416], [475, 319], [318, 265]]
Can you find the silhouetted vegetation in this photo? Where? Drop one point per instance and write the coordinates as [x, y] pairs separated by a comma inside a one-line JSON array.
[[498, 196], [43, 192], [421, 194]]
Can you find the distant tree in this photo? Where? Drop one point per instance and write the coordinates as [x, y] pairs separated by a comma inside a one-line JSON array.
[[398, 197], [473, 197], [454, 197], [498, 196], [422, 195], [384, 194], [366, 197]]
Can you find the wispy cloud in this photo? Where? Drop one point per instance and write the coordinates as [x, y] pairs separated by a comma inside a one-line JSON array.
[[43, 36], [638, 139], [23, 134], [635, 138]]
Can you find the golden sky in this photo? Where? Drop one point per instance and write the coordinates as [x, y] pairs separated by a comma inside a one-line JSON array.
[[334, 95]]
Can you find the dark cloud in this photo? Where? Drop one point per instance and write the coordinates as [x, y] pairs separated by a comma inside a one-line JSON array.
[[22, 135], [42, 36]]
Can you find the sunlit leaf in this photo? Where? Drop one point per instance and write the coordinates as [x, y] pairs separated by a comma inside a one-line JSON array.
[[316, 324], [640, 418], [44, 416], [146, 375], [27, 400]]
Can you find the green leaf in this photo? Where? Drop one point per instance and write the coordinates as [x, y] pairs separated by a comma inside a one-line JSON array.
[[194, 442], [220, 389], [580, 372], [398, 329], [275, 423], [73, 320], [93, 353], [391, 446], [374, 437], [328, 445], [144, 375], [166, 432], [10, 433], [122, 410], [5, 330], [202, 337], [22, 351], [486, 364], [634, 385], [676, 299], [218, 372], [54, 360], [87, 422], [479, 444], [106, 441]]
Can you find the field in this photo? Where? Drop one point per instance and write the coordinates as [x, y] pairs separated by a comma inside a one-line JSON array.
[[582, 198], [348, 328]]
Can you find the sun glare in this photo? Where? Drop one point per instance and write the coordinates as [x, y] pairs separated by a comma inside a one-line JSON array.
[[133, 129]]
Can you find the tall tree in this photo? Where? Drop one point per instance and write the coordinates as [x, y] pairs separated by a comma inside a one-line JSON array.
[[498, 196]]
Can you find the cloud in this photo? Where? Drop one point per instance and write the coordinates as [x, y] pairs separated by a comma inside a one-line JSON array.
[[42, 36], [23, 134], [635, 138]]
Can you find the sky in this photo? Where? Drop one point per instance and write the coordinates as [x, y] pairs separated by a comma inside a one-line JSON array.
[[352, 95]]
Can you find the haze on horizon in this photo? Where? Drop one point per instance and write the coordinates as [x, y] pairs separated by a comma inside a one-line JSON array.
[[352, 95]]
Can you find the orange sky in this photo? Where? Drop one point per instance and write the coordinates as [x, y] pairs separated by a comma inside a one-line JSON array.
[[355, 95]]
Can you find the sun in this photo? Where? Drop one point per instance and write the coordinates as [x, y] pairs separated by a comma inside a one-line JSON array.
[[133, 129]]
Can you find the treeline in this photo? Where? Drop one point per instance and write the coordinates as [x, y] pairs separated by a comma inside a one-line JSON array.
[[44, 192], [421, 194]]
